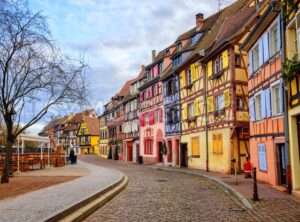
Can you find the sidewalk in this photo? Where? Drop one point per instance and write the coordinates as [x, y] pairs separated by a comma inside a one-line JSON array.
[[244, 187], [45, 203]]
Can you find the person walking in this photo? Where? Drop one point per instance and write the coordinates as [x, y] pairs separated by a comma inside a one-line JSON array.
[[72, 155]]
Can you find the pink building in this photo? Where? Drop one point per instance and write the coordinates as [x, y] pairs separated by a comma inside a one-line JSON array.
[[152, 110]]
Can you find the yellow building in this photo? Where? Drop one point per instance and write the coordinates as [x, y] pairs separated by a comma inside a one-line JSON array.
[[103, 141], [204, 146], [88, 134], [292, 45]]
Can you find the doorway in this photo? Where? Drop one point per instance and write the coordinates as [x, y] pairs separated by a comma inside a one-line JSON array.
[[160, 152], [129, 152], [184, 155], [281, 163]]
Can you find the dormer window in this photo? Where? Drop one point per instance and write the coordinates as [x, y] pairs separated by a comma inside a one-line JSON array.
[[167, 52], [178, 46], [176, 61]]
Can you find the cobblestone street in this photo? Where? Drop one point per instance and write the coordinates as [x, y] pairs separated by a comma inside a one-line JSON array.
[[154, 195]]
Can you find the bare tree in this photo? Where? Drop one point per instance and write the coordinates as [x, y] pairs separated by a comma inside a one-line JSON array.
[[34, 75]]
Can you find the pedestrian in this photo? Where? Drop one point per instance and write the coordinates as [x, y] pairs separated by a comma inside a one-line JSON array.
[[75, 156], [71, 156], [247, 168]]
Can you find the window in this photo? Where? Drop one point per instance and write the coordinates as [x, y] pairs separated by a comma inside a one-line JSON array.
[[194, 39], [178, 46], [82, 130], [274, 48], [220, 102], [255, 60], [191, 113], [218, 65], [148, 146], [160, 68], [238, 61], [276, 99], [167, 52], [239, 103], [195, 147], [176, 61], [218, 143], [147, 118], [262, 157], [257, 105], [189, 76], [157, 116], [170, 87], [170, 116]]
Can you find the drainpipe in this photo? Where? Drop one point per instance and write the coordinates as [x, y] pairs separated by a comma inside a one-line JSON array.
[[285, 101], [206, 116], [180, 116]]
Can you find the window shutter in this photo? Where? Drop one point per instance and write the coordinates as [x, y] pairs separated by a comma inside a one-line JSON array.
[[184, 111], [263, 103], [281, 97], [142, 96], [266, 46], [210, 104], [173, 86], [252, 109], [250, 63], [225, 59], [278, 33], [142, 121], [268, 103], [227, 98], [209, 69], [196, 108], [260, 52], [182, 79], [161, 115], [193, 70]]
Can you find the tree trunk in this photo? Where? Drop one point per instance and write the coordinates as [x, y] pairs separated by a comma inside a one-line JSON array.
[[7, 165]]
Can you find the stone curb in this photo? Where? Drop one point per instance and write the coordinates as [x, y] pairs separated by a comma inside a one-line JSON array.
[[84, 208]]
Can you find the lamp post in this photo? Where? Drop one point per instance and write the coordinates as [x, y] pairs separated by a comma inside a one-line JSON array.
[[13, 114]]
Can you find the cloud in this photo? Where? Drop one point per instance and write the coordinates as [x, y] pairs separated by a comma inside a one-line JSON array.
[[118, 36]]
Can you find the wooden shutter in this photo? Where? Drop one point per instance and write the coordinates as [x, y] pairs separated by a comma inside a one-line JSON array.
[[278, 33], [184, 111], [227, 98], [260, 52], [209, 69], [196, 108], [263, 103], [161, 115], [182, 79], [225, 59], [142, 121], [252, 109], [250, 63], [266, 46], [268, 103], [142, 96], [210, 104], [193, 70], [195, 147]]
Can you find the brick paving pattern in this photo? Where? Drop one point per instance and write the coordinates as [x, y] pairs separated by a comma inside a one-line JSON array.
[[154, 195]]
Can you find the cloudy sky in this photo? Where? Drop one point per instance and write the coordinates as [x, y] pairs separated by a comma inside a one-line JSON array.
[[117, 36]]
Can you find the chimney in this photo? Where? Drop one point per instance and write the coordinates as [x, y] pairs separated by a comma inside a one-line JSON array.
[[142, 68], [153, 55], [199, 20]]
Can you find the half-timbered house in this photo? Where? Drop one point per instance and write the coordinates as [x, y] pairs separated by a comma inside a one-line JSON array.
[[131, 127], [103, 139], [151, 110], [267, 140], [227, 95]]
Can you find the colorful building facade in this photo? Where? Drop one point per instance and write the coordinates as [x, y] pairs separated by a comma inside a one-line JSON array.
[[152, 112], [131, 142], [267, 140], [103, 139]]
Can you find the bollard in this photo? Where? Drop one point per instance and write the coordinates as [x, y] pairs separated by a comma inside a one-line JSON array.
[[255, 194]]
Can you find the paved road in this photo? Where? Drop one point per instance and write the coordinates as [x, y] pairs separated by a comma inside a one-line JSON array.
[[154, 195]]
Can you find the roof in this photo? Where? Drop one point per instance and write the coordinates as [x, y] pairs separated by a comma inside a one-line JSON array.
[[54, 122], [92, 125], [71, 127], [208, 23], [233, 26]]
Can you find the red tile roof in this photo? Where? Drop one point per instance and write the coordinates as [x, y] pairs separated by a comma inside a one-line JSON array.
[[92, 125], [126, 88]]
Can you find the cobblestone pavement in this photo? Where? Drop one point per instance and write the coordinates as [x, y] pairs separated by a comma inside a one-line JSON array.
[[154, 195]]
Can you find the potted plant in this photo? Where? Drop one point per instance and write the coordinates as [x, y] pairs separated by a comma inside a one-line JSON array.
[[291, 69]]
